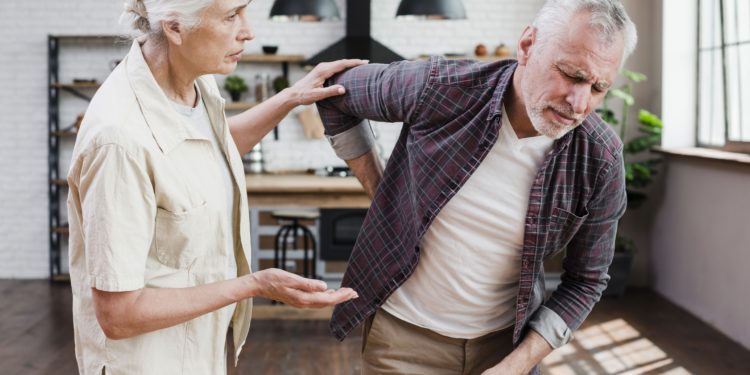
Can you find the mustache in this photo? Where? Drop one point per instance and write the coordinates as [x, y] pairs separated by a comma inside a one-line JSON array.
[[565, 110]]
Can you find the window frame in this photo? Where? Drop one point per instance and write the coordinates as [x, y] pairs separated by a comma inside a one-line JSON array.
[[730, 144]]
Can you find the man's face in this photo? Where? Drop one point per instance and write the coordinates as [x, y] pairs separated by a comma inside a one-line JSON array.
[[566, 78]]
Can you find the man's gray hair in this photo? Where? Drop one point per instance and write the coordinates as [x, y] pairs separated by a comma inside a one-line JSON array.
[[607, 15], [146, 15]]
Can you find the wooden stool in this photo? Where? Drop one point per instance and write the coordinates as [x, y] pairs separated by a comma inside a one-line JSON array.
[[292, 228]]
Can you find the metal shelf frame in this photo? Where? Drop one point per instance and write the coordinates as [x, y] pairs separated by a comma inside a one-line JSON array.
[[57, 183]]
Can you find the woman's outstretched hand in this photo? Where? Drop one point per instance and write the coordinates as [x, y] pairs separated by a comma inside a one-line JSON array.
[[295, 290], [310, 89]]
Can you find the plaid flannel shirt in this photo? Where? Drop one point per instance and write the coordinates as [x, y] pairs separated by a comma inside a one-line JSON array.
[[451, 110]]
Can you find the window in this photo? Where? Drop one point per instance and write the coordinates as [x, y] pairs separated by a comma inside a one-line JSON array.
[[724, 74]]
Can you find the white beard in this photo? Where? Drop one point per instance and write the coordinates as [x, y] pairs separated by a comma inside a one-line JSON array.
[[551, 129]]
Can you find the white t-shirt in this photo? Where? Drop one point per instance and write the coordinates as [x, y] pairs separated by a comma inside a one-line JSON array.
[[466, 281], [198, 117]]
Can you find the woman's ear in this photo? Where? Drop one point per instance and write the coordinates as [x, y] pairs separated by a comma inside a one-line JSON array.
[[528, 39], [173, 32]]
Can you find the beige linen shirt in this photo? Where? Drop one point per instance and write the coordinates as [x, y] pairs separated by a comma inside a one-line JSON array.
[[147, 210]]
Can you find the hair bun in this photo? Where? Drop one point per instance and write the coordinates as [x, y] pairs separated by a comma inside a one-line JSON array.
[[140, 19]]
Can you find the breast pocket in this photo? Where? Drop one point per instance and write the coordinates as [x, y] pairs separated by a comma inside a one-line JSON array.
[[563, 227], [181, 238]]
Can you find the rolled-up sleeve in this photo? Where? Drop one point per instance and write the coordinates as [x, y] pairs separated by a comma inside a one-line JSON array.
[[353, 142], [117, 210], [587, 260], [551, 327], [384, 93]]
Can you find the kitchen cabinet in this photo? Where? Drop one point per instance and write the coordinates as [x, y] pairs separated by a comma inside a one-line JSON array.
[[267, 193]]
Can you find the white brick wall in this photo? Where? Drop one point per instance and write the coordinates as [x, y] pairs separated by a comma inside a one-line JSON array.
[[24, 26]]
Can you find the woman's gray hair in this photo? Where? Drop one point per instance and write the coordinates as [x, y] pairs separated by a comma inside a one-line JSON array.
[[146, 15], [607, 15]]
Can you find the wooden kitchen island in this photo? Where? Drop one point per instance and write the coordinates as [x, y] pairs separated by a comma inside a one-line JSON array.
[[269, 192], [305, 190]]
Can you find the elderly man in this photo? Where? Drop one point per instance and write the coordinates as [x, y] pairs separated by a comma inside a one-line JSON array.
[[498, 167]]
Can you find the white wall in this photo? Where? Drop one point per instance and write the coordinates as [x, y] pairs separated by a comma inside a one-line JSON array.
[[700, 250], [700, 243], [24, 26], [636, 224]]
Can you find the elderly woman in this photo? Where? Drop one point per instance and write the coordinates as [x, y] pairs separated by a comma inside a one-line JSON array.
[[159, 245]]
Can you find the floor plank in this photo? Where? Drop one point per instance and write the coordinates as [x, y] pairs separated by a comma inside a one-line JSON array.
[[641, 333]]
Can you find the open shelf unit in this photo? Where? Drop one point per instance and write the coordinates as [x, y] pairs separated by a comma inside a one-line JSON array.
[[57, 183]]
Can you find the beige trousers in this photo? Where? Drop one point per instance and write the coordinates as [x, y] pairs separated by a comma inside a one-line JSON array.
[[393, 346]]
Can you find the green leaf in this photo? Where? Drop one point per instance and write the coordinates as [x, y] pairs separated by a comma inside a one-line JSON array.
[[649, 119], [624, 244], [633, 76], [642, 143], [641, 170], [629, 100], [635, 198], [608, 116], [628, 172], [650, 130]]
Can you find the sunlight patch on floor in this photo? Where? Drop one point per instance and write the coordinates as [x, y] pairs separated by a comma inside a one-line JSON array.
[[613, 347]]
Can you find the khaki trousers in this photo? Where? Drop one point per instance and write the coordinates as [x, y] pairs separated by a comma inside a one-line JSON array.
[[393, 346]]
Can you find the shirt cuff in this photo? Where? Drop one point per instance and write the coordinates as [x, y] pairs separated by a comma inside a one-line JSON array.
[[353, 142], [116, 284], [551, 327]]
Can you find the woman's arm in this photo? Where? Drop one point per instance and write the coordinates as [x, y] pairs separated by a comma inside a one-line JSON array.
[[249, 127], [126, 314]]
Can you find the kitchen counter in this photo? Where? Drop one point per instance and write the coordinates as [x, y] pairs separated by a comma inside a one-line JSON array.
[[304, 190]]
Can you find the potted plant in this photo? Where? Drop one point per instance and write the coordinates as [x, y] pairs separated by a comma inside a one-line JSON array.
[[235, 86], [280, 83], [640, 169]]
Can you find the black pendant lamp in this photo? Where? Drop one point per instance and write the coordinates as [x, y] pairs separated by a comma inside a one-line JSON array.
[[304, 10], [431, 9]]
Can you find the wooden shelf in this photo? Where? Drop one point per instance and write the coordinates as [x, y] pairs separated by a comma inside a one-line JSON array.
[[239, 106], [90, 37], [71, 85], [63, 133], [261, 58], [60, 182], [61, 229], [488, 58], [61, 278], [469, 57]]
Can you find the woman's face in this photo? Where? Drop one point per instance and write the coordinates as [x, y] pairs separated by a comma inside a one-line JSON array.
[[216, 44]]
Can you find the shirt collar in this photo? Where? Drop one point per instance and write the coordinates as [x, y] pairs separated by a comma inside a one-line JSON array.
[[167, 125], [505, 82]]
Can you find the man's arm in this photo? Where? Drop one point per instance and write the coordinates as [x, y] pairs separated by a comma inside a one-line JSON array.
[[369, 169], [585, 277], [249, 127], [587, 260], [386, 93], [532, 349]]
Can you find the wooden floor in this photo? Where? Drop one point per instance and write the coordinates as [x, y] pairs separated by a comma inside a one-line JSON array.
[[640, 333]]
